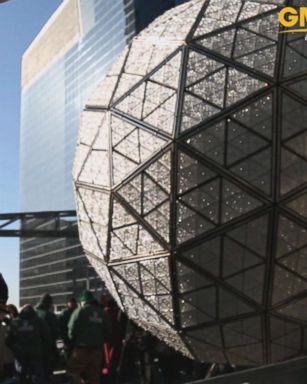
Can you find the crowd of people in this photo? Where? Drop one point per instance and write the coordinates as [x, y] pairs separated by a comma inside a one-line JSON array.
[[29, 339], [92, 340]]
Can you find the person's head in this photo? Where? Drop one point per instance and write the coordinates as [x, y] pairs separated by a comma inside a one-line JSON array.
[[86, 297], [27, 311], [12, 310], [71, 303], [104, 299], [46, 301]]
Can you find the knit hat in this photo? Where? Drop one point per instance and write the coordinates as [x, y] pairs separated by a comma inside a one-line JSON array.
[[86, 296]]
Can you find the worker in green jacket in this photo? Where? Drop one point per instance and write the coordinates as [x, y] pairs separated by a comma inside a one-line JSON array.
[[88, 328], [28, 338], [44, 310], [64, 318]]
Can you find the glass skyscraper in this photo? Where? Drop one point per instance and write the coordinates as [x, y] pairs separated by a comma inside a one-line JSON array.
[[60, 69]]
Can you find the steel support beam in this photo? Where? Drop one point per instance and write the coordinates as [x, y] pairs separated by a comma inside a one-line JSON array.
[[39, 224]]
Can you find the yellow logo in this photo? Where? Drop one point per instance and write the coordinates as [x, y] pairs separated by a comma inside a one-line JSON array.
[[294, 19]]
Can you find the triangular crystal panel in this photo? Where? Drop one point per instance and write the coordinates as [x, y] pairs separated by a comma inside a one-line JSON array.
[[236, 202], [237, 258], [190, 224], [132, 239], [231, 305], [263, 60], [242, 332], [295, 309], [210, 335], [195, 110], [206, 255], [241, 143], [254, 8], [96, 168], [152, 194], [296, 262], [250, 283], [132, 149], [300, 87], [132, 193], [257, 170], [295, 55], [159, 218], [240, 85], [216, 16], [286, 285], [205, 200], [192, 173], [265, 26], [257, 116], [199, 67], [169, 73], [221, 43], [293, 171], [298, 144], [210, 141], [294, 117], [160, 170], [299, 205], [247, 42], [253, 235], [211, 88], [291, 237]]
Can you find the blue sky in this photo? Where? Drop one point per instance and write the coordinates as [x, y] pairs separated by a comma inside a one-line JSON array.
[[20, 21]]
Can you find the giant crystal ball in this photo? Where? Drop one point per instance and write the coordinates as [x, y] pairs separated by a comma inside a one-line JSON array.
[[191, 182]]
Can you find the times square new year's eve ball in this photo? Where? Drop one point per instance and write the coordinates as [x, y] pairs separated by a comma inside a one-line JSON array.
[[190, 177]]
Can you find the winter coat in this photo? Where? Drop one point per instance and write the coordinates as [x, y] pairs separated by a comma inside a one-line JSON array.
[[44, 313], [64, 318], [89, 327], [6, 355], [28, 336]]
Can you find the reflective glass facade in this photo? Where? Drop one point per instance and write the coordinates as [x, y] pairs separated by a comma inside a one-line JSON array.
[[51, 106], [54, 265]]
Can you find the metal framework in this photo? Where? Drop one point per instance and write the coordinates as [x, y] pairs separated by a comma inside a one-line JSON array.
[[191, 182], [60, 224]]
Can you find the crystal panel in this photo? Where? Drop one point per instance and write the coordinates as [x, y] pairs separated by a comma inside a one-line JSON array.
[[211, 142], [218, 14], [236, 202], [296, 55], [294, 115], [131, 146], [257, 116], [242, 332], [293, 171], [286, 285], [299, 205], [241, 356], [206, 255]]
